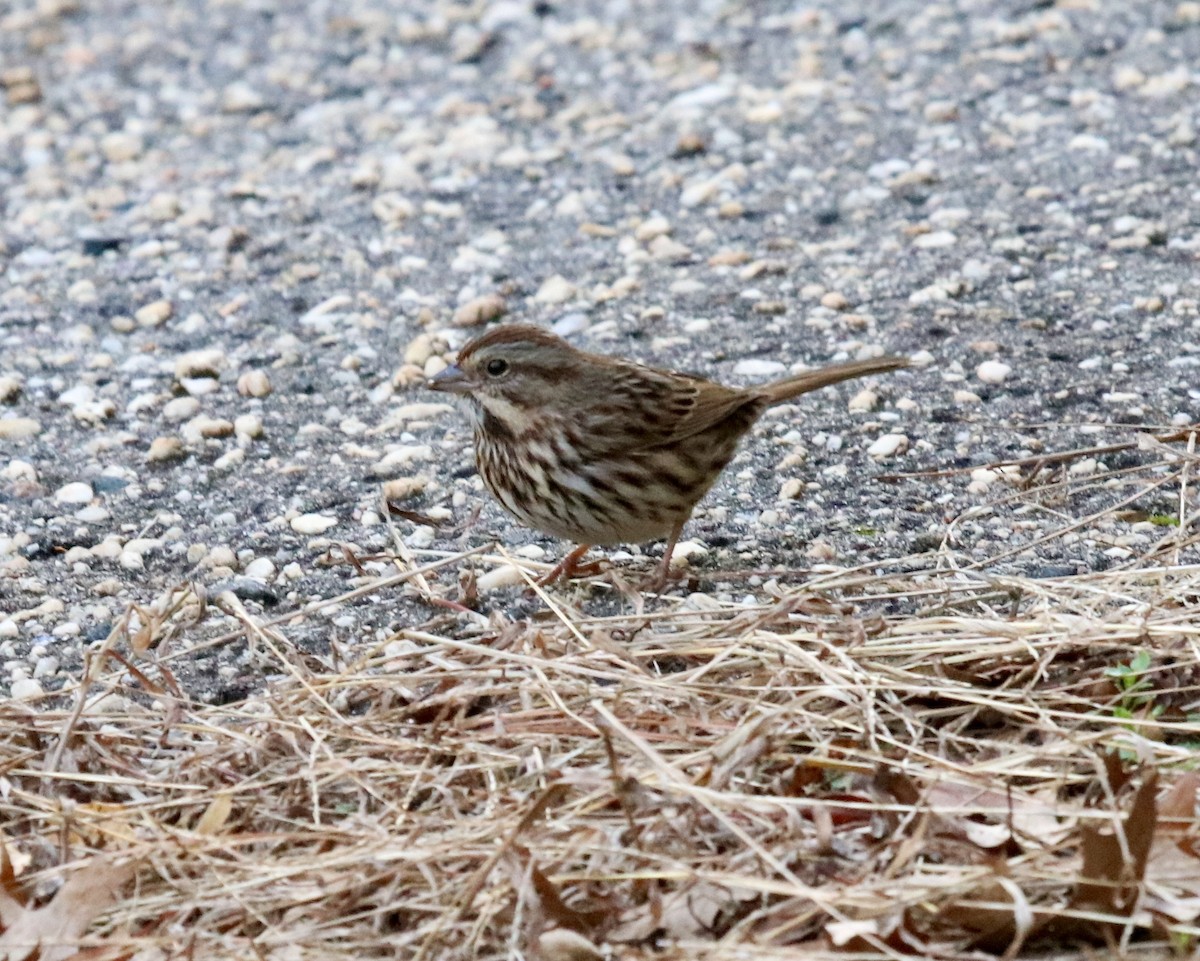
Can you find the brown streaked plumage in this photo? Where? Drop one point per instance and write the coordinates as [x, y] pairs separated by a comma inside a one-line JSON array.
[[600, 450]]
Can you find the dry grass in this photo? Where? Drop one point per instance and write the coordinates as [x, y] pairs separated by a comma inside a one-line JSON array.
[[808, 778]]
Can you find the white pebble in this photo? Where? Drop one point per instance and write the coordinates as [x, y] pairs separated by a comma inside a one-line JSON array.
[[759, 368], [20, 470], [419, 350], [506, 575], [24, 688], [664, 248], [221, 556], [791, 488], [19, 428], [200, 386], [685, 551], [202, 426], [81, 394], [993, 372], [153, 314], [399, 457], [699, 193], [254, 383], [200, 363], [888, 446], [45, 667], [261, 568], [313, 523], [131, 561], [248, 426], [935, 239], [74, 493], [652, 227], [421, 537], [180, 409], [108, 549], [555, 290], [981, 479], [866, 399]]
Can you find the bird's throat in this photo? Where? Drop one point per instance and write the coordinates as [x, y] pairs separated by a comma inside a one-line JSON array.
[[502, 417]]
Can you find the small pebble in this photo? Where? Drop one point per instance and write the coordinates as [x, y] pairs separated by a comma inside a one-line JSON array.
[[154, 313], [993, 372], [19, 428], [254, 383], [421, 537], [668, 249], [506, 575], [261, 568], [200, 363], [555, 290], [888, 445], [685, 551], [753, 367], [652, 227], [480, 310], [312, 524], [419, 350], [10, 388], [202, 426], [131, 561], [221, 556], [248, 426], [404, 488], [866, 399], [25, 688], [791, 488], [74, 493], [165, 449]]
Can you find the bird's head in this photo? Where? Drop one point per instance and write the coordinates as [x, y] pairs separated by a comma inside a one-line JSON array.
[[512, 372]]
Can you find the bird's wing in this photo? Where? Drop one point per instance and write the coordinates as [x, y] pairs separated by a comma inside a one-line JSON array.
[[651, 408]]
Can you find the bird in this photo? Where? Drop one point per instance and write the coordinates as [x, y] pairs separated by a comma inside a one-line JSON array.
[[599, 450]]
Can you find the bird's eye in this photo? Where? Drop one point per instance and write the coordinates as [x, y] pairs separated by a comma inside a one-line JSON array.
[[497, 367]]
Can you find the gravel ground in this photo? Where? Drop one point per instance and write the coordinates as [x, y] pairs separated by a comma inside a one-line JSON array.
[[236, 237]]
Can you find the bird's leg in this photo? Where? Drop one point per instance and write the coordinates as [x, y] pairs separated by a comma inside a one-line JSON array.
[[659, 580], [570, 567]]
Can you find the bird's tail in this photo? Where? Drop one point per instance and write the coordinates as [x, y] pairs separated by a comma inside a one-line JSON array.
[[789, 387]]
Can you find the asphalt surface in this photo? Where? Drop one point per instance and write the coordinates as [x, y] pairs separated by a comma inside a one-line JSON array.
[[235, 238]]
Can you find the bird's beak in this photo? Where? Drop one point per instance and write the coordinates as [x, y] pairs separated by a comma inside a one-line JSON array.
[[453, 380]]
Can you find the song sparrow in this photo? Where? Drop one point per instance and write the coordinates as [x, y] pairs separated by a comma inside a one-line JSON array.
[[600, 450]]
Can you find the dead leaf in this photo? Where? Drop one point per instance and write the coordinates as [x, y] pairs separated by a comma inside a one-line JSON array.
[[1107, 881], [558, 910], [692, 911], [48, 933], [1177, 808]]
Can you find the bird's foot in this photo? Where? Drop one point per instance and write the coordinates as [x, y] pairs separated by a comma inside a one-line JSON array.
[[662, 576], [570, 567]]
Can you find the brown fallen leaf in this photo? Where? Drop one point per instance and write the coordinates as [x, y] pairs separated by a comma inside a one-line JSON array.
[[51, 932], [1108, 882]]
